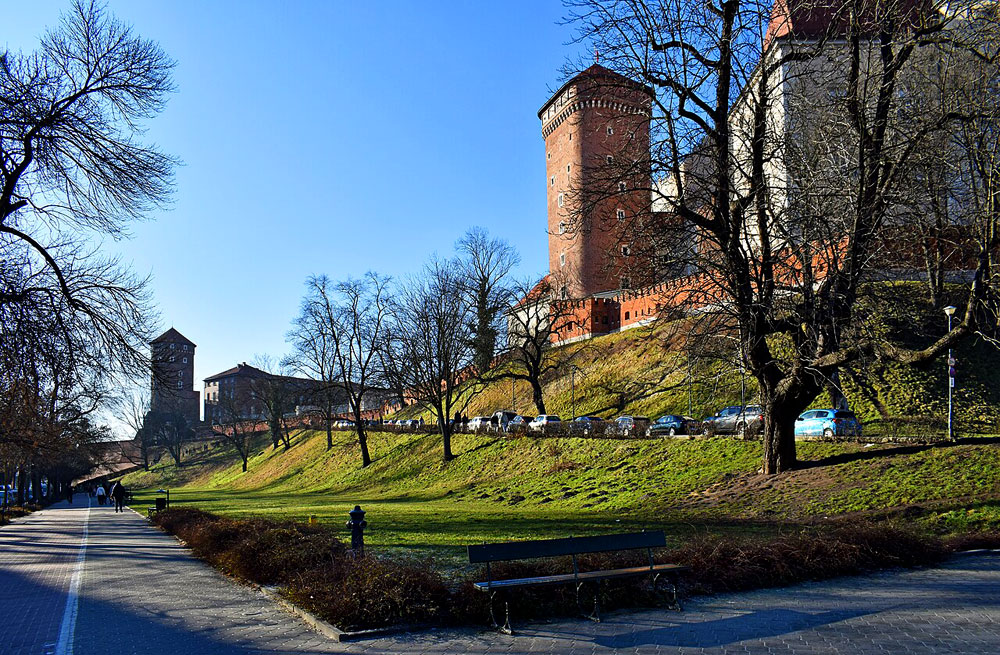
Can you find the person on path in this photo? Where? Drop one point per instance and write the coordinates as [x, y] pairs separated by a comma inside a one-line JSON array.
[[118, 493], [100, 494]]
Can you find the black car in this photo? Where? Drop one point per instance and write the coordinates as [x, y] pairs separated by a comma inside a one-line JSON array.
[[669, 425]]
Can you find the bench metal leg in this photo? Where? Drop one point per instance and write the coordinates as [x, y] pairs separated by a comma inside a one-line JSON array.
[[595, 615], [670, 593], [505, 628]]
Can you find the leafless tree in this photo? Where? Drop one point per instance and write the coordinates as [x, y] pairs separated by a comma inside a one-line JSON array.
[[132, 408], [486, 264], [533, 324], [274, 392], [72, 167], [236, 426], [781, 254], [427, 349]]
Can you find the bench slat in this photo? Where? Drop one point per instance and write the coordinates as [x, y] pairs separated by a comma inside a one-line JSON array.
[[514, 550], [563, 578]]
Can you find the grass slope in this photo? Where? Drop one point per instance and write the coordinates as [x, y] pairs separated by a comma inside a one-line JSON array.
[[523, 488]]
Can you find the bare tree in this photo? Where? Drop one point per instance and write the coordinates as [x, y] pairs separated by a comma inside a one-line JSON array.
[[486, 266], [72, 166], [274, 392], [534, 323], [782, 249], [427, 349], [132, 408], [237, 427]]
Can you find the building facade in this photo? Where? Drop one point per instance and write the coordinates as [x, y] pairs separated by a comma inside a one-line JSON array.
[[172, 379]]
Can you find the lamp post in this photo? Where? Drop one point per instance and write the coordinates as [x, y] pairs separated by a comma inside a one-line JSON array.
[[950, 311], [572, 391]]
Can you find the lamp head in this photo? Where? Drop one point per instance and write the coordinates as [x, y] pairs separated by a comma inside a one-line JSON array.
[[161, 491], [950, 310]]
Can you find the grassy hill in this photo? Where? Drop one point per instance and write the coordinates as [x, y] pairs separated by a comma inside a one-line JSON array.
[[520, 488], [500, 488]]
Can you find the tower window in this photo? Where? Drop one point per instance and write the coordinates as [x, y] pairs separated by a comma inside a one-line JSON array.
[[621, 186], [172, 346], [611, 159], [562, 227], [621, 215], [185, 346], [570, 136], [180, 384], [185, 360], [548, 155], [611, 130], [562, 292], [567, 168], [559, 200], [553, 181], [171, 359], [562, 259], [626, 251], [626, 284]]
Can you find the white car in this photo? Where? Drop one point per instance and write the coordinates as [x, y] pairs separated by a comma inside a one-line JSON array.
[[479, 423], [541, 421]]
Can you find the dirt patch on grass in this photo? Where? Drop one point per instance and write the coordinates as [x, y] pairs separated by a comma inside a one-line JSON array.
[[750, 494]]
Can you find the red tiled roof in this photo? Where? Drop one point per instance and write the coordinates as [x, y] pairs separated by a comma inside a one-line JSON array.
[[812, 19]]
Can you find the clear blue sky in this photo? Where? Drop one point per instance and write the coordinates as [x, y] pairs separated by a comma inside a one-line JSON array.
[[331, 137]]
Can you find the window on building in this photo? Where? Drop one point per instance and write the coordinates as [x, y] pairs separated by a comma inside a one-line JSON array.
[[180, 384], [568, 167], [185, 360], [173, 345], [563, 293], [559, 200], [621, 215], [548, 155], [171, 359], [185, 347], [570, 136], [562, 227], [621, 186], [562, 259], [626, 251], [626, 316], [553, 180], [626, 284], [611, 130], [611, 159]]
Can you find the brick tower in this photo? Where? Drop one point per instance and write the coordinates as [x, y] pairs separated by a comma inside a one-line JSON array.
[[596, 131], [173, 376]]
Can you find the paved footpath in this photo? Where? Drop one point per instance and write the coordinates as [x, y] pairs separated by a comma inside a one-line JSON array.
[[81, 580]]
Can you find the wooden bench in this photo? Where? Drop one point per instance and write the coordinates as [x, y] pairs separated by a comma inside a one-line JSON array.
[[573, 546]]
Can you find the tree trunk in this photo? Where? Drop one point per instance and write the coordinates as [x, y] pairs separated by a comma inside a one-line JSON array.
[[536, 395], [446, 438], [329, 435], [366, 458], [244, 463], [779, 440]]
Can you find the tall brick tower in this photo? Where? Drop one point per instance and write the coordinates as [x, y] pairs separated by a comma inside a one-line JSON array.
[[596, 131], [173, 376]]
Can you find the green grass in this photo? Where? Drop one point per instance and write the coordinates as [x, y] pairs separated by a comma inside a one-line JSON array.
[[524, 488]]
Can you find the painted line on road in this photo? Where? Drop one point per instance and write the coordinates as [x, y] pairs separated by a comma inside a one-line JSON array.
[[68, 628]]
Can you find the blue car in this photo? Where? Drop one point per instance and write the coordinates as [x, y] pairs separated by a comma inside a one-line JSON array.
[[670, 425], [827, 423]]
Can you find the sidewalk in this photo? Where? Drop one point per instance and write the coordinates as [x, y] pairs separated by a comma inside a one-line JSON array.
[[141, 592]]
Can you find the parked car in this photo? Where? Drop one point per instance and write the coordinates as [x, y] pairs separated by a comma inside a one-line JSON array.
[[8, 496], [540, 422], [827, 423], [670, 424], [735, 420], [631, 426], [586, 424], [518, 424], [478, 423]]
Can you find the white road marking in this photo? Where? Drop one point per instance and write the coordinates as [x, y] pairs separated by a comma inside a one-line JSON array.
[[68, 629]]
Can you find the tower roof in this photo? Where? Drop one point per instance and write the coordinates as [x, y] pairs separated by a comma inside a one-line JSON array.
[[172, 336], [596, 72]]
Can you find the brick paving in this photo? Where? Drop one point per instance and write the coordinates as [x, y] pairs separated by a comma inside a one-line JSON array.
[[141, 592]]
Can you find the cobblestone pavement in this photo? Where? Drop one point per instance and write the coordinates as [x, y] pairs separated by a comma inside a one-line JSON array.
[[141, 592]]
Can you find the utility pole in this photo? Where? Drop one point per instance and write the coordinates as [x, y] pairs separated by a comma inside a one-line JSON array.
[[950, 311]]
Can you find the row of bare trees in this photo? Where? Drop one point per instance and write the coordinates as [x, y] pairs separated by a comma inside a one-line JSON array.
[[74, 172]]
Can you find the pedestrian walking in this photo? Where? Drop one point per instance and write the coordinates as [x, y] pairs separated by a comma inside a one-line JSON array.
[[100, 494], [118, 493]]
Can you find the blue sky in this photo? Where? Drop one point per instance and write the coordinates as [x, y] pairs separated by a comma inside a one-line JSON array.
[[331, 137]]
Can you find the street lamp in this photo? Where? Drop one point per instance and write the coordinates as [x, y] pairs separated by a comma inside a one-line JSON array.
[[950, 311]]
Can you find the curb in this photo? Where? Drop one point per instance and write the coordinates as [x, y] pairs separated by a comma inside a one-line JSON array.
[[331, 631]]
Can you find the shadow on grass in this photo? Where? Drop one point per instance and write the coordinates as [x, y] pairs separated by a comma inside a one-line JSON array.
[[878, 453]]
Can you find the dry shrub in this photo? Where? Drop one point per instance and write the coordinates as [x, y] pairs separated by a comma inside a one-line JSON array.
[[973, 541], [317, 569], [372, 593]]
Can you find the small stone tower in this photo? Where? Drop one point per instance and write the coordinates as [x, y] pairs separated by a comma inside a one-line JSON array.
[[173, 376], [596, 131]]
